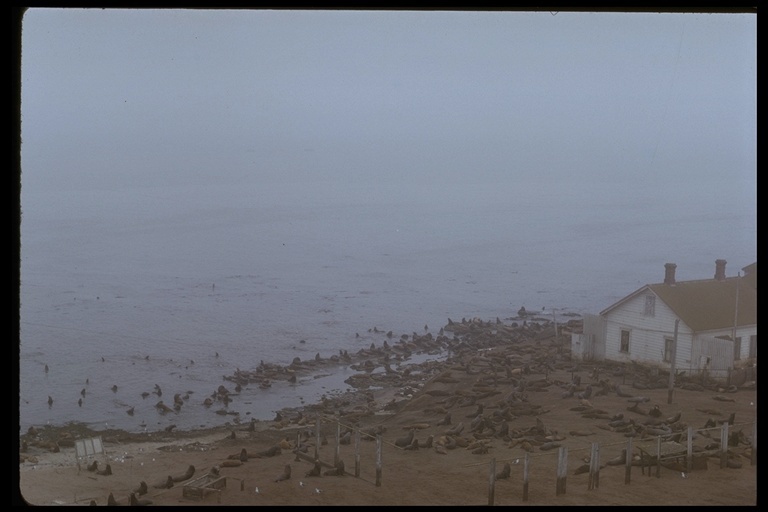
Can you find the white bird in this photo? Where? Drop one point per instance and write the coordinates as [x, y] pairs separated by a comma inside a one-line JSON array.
[[301, 484], [256, 490], [317, 490], [682, 474]]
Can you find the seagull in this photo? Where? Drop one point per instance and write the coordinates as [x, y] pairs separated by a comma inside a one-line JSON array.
[[301, 484], [256, 491], [317, 491]]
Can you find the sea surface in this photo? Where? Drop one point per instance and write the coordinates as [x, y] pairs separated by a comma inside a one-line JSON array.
[[178, 286]]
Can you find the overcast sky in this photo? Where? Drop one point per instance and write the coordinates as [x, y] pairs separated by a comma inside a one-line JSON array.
[[123, 98]]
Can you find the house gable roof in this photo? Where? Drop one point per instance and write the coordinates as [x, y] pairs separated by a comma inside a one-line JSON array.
[[707, 304]]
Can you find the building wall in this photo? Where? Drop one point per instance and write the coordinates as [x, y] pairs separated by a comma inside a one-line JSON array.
[[646, 333]]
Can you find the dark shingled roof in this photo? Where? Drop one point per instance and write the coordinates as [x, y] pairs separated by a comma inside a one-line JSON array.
[[709, 304]]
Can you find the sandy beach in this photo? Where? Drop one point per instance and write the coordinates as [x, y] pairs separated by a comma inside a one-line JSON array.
[[505, 402]]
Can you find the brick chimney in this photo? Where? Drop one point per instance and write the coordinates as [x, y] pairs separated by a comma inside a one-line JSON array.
[[669, 273], [720, 270]]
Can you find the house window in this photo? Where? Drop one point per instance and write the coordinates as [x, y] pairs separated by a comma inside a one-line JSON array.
[[624, 347], [737, 348], [650, 305], [668, 349]]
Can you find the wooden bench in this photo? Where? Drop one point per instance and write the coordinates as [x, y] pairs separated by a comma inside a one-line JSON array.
[[201, 487], [654, 452]]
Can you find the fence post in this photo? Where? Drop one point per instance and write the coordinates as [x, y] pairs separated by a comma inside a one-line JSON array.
[[689, 454], [724, 445], [378, 460], [357, 453], [491, 482], [753, 460], [594, 467], [562, 470], [317, 436], [525, 476], [628, 462], [338, 444], [658, 458]]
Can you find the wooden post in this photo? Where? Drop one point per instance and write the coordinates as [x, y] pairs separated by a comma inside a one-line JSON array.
[[724, 445], [628, 462], [357, 453], [526, 467], [562, 470], [338, 444], [658, 457], [491, 482], [378, 460], [753, 459], [298, 442], [594, 467], [317, 436], [689, 453], [672, 365]]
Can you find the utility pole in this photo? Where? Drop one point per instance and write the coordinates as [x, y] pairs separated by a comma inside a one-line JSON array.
[[672, 365]]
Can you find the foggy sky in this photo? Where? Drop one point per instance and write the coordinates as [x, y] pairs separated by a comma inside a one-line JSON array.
[[132, 98]]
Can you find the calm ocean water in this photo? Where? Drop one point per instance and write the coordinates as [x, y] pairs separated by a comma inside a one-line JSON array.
[[180, 286]]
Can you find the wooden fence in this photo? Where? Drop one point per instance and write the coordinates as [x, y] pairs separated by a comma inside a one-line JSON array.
[[652, 454]]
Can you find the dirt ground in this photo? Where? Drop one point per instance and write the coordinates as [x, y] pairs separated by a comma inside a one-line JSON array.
[[506, 386]]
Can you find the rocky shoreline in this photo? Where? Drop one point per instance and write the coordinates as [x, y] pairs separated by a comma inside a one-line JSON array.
[[386, 379]]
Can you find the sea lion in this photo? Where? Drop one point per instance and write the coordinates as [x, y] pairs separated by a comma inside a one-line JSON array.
[[336, 471], [141, 490], [270, 452], [93, 466], [505, 472], [111, 501], [186, 475], [402, 442], [445, 421], [242, 456], [285, 475], [105, 472], [136, 502], [315, 471], [167, 484]]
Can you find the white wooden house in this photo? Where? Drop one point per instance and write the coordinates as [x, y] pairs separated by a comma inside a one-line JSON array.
[[716, 324]]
